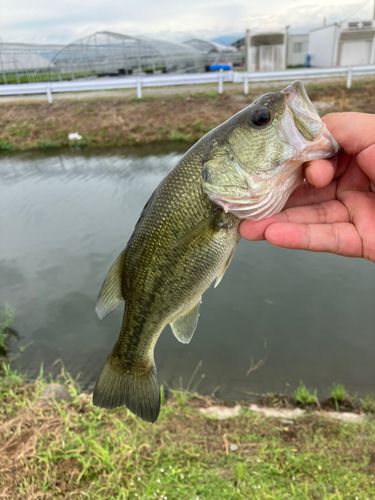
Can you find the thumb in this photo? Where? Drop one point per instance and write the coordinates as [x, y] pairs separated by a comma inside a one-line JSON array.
[[353, 131]]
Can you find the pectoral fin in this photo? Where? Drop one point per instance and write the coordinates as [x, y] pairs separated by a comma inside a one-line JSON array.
[[225, 267], [203, 229], [110, 294], [184, 326]]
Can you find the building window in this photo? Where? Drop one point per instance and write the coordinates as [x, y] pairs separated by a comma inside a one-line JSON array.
[[299, 47]]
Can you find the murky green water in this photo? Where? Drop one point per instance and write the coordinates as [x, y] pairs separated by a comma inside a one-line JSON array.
[[64, 218]]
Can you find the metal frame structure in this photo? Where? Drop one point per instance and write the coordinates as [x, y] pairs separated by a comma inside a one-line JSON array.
[[100, 54], [112, 54], [26, 63], [215, 52]]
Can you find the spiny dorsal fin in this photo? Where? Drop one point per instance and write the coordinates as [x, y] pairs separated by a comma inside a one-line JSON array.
[[225, 267], [110, 294], [184, 326]]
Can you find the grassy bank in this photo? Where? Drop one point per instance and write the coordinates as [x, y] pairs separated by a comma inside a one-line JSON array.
[[111, 120], [74, 450]]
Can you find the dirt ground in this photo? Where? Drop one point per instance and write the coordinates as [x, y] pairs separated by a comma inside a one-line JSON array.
[[183, 114]]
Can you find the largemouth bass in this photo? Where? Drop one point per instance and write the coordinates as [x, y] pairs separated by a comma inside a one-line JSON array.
[[188, 231]]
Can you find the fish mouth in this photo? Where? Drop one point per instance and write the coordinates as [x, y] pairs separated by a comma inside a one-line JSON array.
[[302, 127]]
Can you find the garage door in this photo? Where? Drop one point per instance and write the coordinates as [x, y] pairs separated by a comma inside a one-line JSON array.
[[354, 53]]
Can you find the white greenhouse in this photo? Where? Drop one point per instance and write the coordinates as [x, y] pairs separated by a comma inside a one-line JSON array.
[[112, 54]]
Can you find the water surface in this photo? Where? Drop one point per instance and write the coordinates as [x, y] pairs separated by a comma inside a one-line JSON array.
[[65, 217]]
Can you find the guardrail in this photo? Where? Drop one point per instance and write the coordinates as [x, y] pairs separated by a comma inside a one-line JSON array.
[[138, 83], [303, 73], [218, 77]]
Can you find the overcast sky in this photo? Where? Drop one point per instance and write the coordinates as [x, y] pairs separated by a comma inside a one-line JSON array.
[[63, 21]]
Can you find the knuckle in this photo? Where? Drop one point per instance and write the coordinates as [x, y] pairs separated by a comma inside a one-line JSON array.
[[308, 238], [335, 239], [321, 213]]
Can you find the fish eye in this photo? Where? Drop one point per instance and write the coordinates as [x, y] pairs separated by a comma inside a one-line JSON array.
[[261, 117]]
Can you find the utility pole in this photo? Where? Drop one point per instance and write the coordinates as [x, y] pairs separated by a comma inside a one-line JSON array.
[[247, 50]]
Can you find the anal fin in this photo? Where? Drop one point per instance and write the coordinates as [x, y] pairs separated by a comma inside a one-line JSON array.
[[110, 294], [185, 325]]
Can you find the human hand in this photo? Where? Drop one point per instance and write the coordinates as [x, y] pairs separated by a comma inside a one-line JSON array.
[[334, 211]]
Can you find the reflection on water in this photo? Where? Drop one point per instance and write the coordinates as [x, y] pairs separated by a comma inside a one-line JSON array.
[[65, 217]]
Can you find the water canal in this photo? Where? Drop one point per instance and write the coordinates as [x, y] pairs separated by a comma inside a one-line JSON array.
[[65, 217]]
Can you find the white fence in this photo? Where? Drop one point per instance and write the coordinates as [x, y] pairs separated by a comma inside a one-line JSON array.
[[302, 74], [48, 88], [218, 77]]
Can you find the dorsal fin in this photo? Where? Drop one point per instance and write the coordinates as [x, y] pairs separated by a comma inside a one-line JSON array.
[[110, 294], [184, 326]]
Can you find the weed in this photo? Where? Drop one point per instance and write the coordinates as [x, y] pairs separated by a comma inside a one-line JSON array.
[[75, 450], [132, 140], [338, 392], [146, 98], [30, 128], [175, 135], [239, 472], [21, 131], [5, 145], [49, 143], [203, 95], [200, 127], [314, 86], [368, 404], [303, 396], [162, 395], [82, 143], [6, 318]]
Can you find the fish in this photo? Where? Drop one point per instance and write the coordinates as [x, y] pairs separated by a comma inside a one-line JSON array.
[[188, 231]]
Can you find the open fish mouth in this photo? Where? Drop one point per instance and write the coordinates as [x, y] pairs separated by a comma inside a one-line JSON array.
[[302, 127], [258, 194]]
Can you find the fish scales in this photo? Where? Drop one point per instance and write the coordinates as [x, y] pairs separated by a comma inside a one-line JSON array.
[[189, 229], [159, 281]]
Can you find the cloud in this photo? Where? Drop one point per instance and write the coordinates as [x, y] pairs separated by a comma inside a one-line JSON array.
[[42, 21]]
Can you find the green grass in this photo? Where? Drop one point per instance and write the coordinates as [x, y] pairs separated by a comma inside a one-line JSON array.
[[368, 404], [21, 131], [338, 392], [77, 451], [49, 143], [303, 396], [5, 145], [122, 123], [176, 135], [6, 319], [48, 76]]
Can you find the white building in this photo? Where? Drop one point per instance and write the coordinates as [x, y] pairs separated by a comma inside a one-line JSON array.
[[298, 48], [344, 44], [266, 51]]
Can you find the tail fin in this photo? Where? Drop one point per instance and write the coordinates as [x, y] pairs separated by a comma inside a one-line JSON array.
[[119, 386]]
